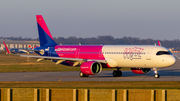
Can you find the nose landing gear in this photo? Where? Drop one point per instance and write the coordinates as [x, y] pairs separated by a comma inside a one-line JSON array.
[[156, 73]]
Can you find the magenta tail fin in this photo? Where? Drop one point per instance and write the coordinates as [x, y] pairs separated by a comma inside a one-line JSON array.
[[6, 48], [45, 36]]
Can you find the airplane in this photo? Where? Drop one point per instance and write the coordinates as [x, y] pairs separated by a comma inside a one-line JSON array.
[[92, 58], [18, 50], [6, 48]]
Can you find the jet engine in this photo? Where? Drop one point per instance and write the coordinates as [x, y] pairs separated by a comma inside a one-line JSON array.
[[90, 68], [140, 70]]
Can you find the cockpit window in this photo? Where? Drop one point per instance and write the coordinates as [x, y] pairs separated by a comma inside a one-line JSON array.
[[163, 53]]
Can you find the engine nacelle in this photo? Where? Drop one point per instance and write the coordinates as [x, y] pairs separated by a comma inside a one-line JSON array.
[[90, 68], [140, 70]]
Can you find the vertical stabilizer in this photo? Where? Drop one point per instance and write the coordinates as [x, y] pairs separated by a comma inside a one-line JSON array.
[[45, 36], [6, 48], [159, 43]]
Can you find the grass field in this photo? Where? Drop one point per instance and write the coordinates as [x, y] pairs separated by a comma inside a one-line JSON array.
[[95, 84], [14, 63]]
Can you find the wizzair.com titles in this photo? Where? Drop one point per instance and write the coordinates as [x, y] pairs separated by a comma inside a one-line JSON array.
[[65, 49]]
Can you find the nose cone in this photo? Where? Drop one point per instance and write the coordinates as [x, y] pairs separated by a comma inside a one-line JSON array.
[[171, 60], [166, 61]]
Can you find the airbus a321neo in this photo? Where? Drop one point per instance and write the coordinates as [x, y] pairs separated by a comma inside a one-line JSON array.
[[92, 58]]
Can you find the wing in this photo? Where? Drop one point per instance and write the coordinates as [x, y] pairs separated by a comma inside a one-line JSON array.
[[76, 61]]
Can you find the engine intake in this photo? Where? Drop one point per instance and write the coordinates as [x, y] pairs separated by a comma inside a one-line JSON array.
[[91, 68], [140, 70]]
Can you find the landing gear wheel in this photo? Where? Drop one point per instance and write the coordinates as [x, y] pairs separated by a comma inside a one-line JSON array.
[[86, 76], [156, 76], [117, 73], [83, 75], [156, 73]]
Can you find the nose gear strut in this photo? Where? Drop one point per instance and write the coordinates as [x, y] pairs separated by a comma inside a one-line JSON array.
[[156, 73]]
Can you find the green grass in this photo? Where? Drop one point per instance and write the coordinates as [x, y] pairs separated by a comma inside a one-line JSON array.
[[15, 63], [95, 84]]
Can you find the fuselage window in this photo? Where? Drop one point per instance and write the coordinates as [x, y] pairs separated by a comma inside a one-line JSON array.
[[163, 53]]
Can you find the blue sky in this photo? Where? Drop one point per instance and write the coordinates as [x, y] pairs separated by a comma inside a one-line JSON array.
[[155, 19]]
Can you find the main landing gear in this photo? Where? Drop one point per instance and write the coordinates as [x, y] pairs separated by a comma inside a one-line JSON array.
[[156, 73], [117, 73], [83, 75]]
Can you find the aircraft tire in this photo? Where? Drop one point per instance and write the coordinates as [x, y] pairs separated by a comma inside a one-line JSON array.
[[119, 73], [115, 73], [86, 76], [83, 75], [156, 76]]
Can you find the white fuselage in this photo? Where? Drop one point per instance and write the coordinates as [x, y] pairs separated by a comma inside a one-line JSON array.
[[137, 56]]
